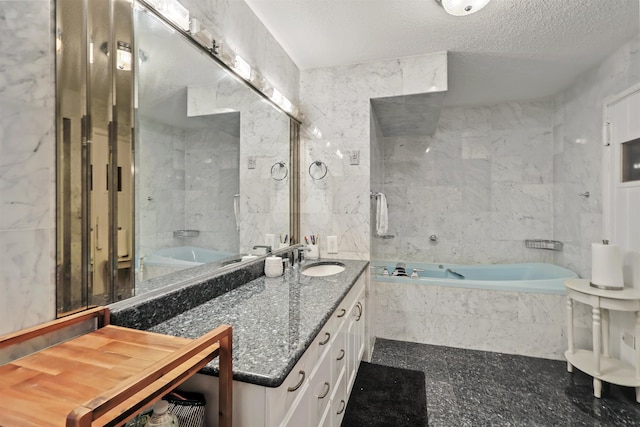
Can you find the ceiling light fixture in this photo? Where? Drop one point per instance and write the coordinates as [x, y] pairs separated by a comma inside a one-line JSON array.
[[462, 7]]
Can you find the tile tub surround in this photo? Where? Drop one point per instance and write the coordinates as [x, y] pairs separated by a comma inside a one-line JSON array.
[[507, 322], [483, 183], [274, 319]]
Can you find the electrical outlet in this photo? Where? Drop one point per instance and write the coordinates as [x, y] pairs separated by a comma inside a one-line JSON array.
[[354, 157], [251, 163], [332, 244], [629, 339]]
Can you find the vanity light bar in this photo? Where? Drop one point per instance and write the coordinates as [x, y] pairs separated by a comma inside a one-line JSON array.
[[174, 11], [178, 16]]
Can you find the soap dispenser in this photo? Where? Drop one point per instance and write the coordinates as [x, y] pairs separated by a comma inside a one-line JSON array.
[[161, 417]]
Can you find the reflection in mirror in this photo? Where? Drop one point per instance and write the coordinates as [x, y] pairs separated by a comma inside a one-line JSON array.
[[196, 202], [193, 177]]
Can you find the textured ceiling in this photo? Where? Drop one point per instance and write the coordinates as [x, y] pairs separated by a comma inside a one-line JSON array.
[[511, 49]]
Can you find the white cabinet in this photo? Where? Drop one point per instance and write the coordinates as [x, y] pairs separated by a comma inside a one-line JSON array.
[[316, 391], [335, 367]]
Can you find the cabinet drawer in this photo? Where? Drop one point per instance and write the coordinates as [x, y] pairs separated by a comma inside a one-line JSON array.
[[320, 388], [322, 341], [339, 353], [339, 401]]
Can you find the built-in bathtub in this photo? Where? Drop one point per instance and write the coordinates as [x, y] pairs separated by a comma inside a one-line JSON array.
[[527, 277], [510, 308], [168, 260]]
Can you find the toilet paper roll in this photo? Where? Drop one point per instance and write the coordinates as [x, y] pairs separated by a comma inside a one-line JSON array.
[[606, 266]]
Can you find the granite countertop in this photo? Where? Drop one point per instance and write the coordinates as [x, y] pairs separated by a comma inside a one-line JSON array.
[[274, 320]]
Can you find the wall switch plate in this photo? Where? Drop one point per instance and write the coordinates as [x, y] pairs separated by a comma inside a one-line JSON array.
[[354, 157], [251, 163], [629, 339], [332, 244]]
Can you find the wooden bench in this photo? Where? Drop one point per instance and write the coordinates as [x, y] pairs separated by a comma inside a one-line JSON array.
[[104, 377]]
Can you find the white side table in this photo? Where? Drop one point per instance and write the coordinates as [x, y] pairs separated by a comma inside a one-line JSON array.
[[598, 362]]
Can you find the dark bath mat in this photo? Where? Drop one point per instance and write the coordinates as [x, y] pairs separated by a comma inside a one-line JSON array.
[[385, 396]]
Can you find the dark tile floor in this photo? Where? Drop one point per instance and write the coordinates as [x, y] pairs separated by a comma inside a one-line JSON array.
[[478, 388]]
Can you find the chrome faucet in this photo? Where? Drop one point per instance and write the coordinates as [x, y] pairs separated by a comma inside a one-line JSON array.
[[400, 270], [301, 251], [455, 273], [267, 248]]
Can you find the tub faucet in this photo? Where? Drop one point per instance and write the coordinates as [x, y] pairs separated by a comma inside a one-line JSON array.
[[455, 273], [400, 270], [267, 248]]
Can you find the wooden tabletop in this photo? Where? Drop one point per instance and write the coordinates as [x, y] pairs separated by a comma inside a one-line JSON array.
[[43, 388]]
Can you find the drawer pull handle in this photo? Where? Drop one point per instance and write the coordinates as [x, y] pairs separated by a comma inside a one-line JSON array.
[[341, 355], [342, 312], [327, 340], [360, 311], [297, 386], [342, 407], [323, 395]]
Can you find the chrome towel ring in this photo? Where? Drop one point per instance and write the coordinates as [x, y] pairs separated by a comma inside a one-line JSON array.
[[318, 170], [279, 171]]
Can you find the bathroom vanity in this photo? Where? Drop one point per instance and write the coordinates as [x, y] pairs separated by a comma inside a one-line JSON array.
[[297, 344]]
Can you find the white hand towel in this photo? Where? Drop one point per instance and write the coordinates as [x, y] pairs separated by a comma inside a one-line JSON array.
[[382, 215]]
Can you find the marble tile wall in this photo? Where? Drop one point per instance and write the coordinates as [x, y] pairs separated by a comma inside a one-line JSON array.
[[186, 180], [263, 137], [264, 198], [160, 185], [336, 101], [483, 183], [211, 181], [27, 164], [27, 140], [578, 150], [578, 154]]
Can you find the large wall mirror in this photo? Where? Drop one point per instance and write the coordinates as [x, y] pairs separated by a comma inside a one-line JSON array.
[[167, 161]]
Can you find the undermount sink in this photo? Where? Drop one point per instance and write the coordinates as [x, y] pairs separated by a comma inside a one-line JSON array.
[[321, 269]]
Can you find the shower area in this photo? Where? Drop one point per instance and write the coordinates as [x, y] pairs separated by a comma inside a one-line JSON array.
[[464, 185]]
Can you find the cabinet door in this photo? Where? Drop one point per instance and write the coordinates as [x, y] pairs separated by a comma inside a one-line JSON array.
[[360, 326], [355, 339], [339, 353]]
